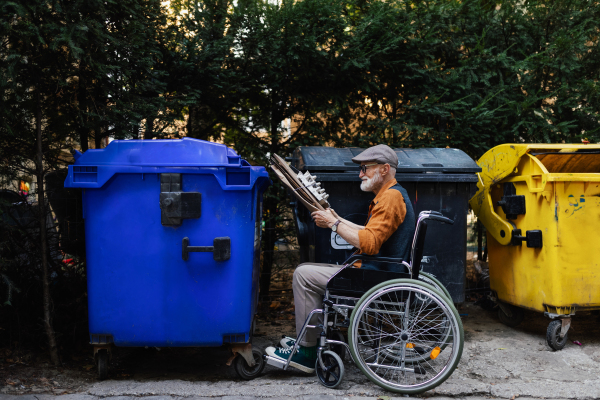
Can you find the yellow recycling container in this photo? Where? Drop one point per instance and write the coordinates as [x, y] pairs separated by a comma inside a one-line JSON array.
[[540, 204]]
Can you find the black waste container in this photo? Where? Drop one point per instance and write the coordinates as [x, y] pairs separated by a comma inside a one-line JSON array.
[[436, 179]]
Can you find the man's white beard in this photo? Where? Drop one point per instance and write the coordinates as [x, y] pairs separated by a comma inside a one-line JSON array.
[[369, 184]]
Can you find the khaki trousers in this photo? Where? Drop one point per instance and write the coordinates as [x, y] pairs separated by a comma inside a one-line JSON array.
[[309, 287]]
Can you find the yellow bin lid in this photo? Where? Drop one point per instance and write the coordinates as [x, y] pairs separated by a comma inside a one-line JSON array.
[[554, 162]]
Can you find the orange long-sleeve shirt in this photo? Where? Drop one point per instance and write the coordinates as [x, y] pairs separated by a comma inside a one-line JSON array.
[[386, 213]]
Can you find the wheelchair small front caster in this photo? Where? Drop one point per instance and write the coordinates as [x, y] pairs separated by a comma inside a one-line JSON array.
[[333, 373], [247, 372]]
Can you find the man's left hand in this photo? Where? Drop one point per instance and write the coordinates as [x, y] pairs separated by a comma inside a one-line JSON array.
[[324, 219]]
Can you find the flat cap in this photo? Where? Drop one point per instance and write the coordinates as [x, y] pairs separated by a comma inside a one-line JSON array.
[[381, 153]]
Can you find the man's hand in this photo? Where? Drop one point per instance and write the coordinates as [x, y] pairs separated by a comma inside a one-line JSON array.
[[334, 214], [324, 219], [347, 230]]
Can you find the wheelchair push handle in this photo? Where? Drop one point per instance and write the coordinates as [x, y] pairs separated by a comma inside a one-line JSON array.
[[443, 220], [436, 216]]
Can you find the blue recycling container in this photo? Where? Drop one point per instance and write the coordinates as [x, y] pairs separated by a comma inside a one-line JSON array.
[[173, 231]]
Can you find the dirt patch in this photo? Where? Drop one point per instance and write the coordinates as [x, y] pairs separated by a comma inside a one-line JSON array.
[[22, 373], [143, 364]]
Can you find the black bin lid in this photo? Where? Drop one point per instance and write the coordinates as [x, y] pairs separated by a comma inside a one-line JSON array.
[[422, 160]]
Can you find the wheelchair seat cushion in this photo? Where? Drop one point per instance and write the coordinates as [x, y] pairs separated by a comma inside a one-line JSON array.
[[357, 281]]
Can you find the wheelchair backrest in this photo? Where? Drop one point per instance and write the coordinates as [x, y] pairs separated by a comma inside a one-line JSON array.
[[418, 247]]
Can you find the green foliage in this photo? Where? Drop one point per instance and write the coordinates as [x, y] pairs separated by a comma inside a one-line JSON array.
[[467, 74], [96, 64], [198, 53], [473, 74], [288, 55]]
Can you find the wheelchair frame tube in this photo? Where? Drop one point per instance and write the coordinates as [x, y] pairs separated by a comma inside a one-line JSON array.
[[323, 336], [301, 335], [323, 341]]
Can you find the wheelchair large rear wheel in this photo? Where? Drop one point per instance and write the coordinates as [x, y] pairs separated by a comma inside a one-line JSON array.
[[433, 281], [416, 353], [405, 336]]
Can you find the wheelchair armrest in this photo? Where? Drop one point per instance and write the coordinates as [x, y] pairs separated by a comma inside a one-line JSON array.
[[364, 257]]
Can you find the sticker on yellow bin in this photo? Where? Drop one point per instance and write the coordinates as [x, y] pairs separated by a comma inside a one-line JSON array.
[[435, 352]]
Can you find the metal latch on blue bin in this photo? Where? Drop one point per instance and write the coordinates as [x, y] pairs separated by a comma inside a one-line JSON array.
[[176, 205], [221, 249]]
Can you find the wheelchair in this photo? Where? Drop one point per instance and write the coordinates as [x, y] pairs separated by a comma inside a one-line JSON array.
[[404, 332]]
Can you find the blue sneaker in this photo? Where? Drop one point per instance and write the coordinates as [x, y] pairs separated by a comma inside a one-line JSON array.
[[298, 361], [287, 342]]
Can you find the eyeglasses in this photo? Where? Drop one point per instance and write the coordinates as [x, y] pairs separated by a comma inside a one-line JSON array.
[[363, 168]]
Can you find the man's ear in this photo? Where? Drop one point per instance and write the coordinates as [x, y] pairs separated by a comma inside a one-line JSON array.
[[386, 169]]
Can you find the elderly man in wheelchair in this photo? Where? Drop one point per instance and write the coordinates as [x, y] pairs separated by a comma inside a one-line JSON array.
[[404, 333]]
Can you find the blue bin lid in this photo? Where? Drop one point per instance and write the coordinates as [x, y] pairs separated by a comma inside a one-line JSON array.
[[184, 152], [95, 167]]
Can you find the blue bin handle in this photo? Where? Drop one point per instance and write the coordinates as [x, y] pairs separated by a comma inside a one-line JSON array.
[[221, 248]]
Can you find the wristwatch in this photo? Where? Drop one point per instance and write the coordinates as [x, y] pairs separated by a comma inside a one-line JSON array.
[[334, 227]]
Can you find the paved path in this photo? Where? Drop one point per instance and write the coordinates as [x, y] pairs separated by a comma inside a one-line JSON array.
[[497, 362], [306, 397]]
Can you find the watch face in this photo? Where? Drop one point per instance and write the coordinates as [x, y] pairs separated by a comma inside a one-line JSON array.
[[334, 228]]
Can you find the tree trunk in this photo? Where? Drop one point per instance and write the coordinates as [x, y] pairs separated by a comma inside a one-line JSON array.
[[198, 126], [271, 208], [47, 300], [190, 126], [98, 138], [270, 238], [148, 133], [81, 96]]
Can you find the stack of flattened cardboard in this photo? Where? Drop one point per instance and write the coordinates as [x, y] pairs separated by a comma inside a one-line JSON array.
[[302, 185]]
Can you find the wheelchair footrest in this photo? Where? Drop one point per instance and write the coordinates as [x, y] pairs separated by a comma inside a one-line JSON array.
[[275, 362]]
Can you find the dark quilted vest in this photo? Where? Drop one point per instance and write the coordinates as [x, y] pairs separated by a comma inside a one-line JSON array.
[[399, 244]]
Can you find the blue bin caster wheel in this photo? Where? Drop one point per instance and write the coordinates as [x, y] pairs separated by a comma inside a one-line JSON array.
[[102, 364], [333, 373], [247, 372]]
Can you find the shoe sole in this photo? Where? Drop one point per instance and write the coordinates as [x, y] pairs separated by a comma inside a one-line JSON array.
[[271, 352]]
